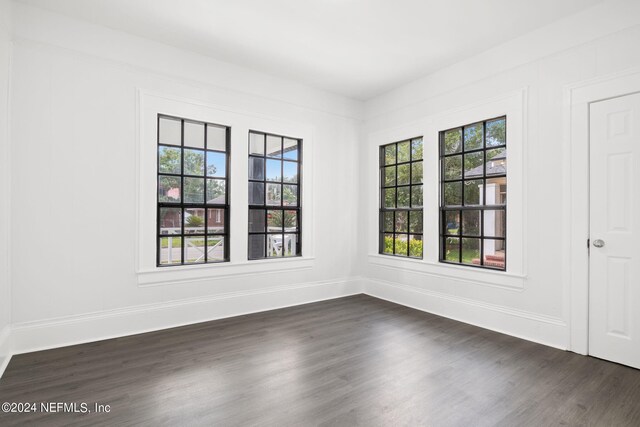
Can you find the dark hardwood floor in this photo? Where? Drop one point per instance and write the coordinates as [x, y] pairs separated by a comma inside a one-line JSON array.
[[349, 361]]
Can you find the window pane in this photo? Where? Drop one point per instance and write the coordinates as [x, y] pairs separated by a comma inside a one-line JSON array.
[[416, 149], [169, 160], [290, 195], [274, 146], [472, 192], [473, 136], [416, 173], [416, 196], [194, 248], [452, 249], [453, 167], [170, 250], [194, 190], [452, 222], [193, 162], [402, 222], [389, 176], [216, 138], [216, 191], [170, 221], [453, 194], [403, 174], [402, 244], [256, 220], [404, 150], [256, 144], [216, 164], [290, 149], [169, 189], [388, 244], [275, 245], [497, 191], [471, 223], [215, 220], [290, 221], [403, 197], [256, 193], [496, 132], [495, 223], [215, 248], [290, 172], [390, 198], [256, 168], [415, 222], [471, 251], [494, 253], [496, 161], [256, 246], [194, 221], [452, 141], [473, 165], [387, 221], [290, 244], [415, 246], [170, 131], [274, 221], [193, 134], [390, 154], [274, 170], [273, 194]]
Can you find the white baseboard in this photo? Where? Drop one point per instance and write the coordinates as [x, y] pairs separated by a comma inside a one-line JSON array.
[[60, 332], [550, 331], [5, 348]]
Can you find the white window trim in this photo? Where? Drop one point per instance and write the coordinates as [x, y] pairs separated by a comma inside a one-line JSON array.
[[512, 105], [148, 273]]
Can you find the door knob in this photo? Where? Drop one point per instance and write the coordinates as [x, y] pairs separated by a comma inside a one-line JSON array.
[[598, 243]]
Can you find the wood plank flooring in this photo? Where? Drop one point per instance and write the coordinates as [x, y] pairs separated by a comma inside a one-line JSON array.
[[345, 362]]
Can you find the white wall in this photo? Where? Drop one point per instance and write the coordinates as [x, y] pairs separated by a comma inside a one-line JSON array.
[[5, 289], [600, 41], [73, 174], [74, 181]]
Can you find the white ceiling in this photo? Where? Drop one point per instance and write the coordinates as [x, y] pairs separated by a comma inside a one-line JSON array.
[[356, 48]]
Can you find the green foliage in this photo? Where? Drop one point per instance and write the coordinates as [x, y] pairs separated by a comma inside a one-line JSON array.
[[194, 221], [415, 247]]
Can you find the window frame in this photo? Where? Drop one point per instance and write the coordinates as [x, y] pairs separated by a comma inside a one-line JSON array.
[[409, 209], [514, 105], [481, 207], [145, 151], [182, 204], [282, 207]]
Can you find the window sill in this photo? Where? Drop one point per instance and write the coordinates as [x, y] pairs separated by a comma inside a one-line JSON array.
[[192, 273], [494, 278]]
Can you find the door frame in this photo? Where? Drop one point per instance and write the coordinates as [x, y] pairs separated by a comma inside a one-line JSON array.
[[575, 184]]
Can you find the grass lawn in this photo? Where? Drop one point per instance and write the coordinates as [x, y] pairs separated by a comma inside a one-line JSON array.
[[177, 242]]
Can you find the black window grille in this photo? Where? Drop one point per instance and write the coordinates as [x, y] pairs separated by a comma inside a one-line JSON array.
[[473, 195], [401, 176], [193, 192], [275, 181]]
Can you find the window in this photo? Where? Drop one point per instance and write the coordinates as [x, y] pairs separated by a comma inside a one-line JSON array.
[[473, 176], [193, 186], [401, 198], [274, 196]]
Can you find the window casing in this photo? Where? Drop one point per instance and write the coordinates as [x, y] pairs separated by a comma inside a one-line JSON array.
[[401, 199], [275, 181], [473, 194], [193, 192]]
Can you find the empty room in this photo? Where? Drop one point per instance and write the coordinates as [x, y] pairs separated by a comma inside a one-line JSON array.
[[320, 213]]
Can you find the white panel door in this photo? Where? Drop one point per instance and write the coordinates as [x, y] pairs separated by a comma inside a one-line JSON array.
[[614, 262]]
